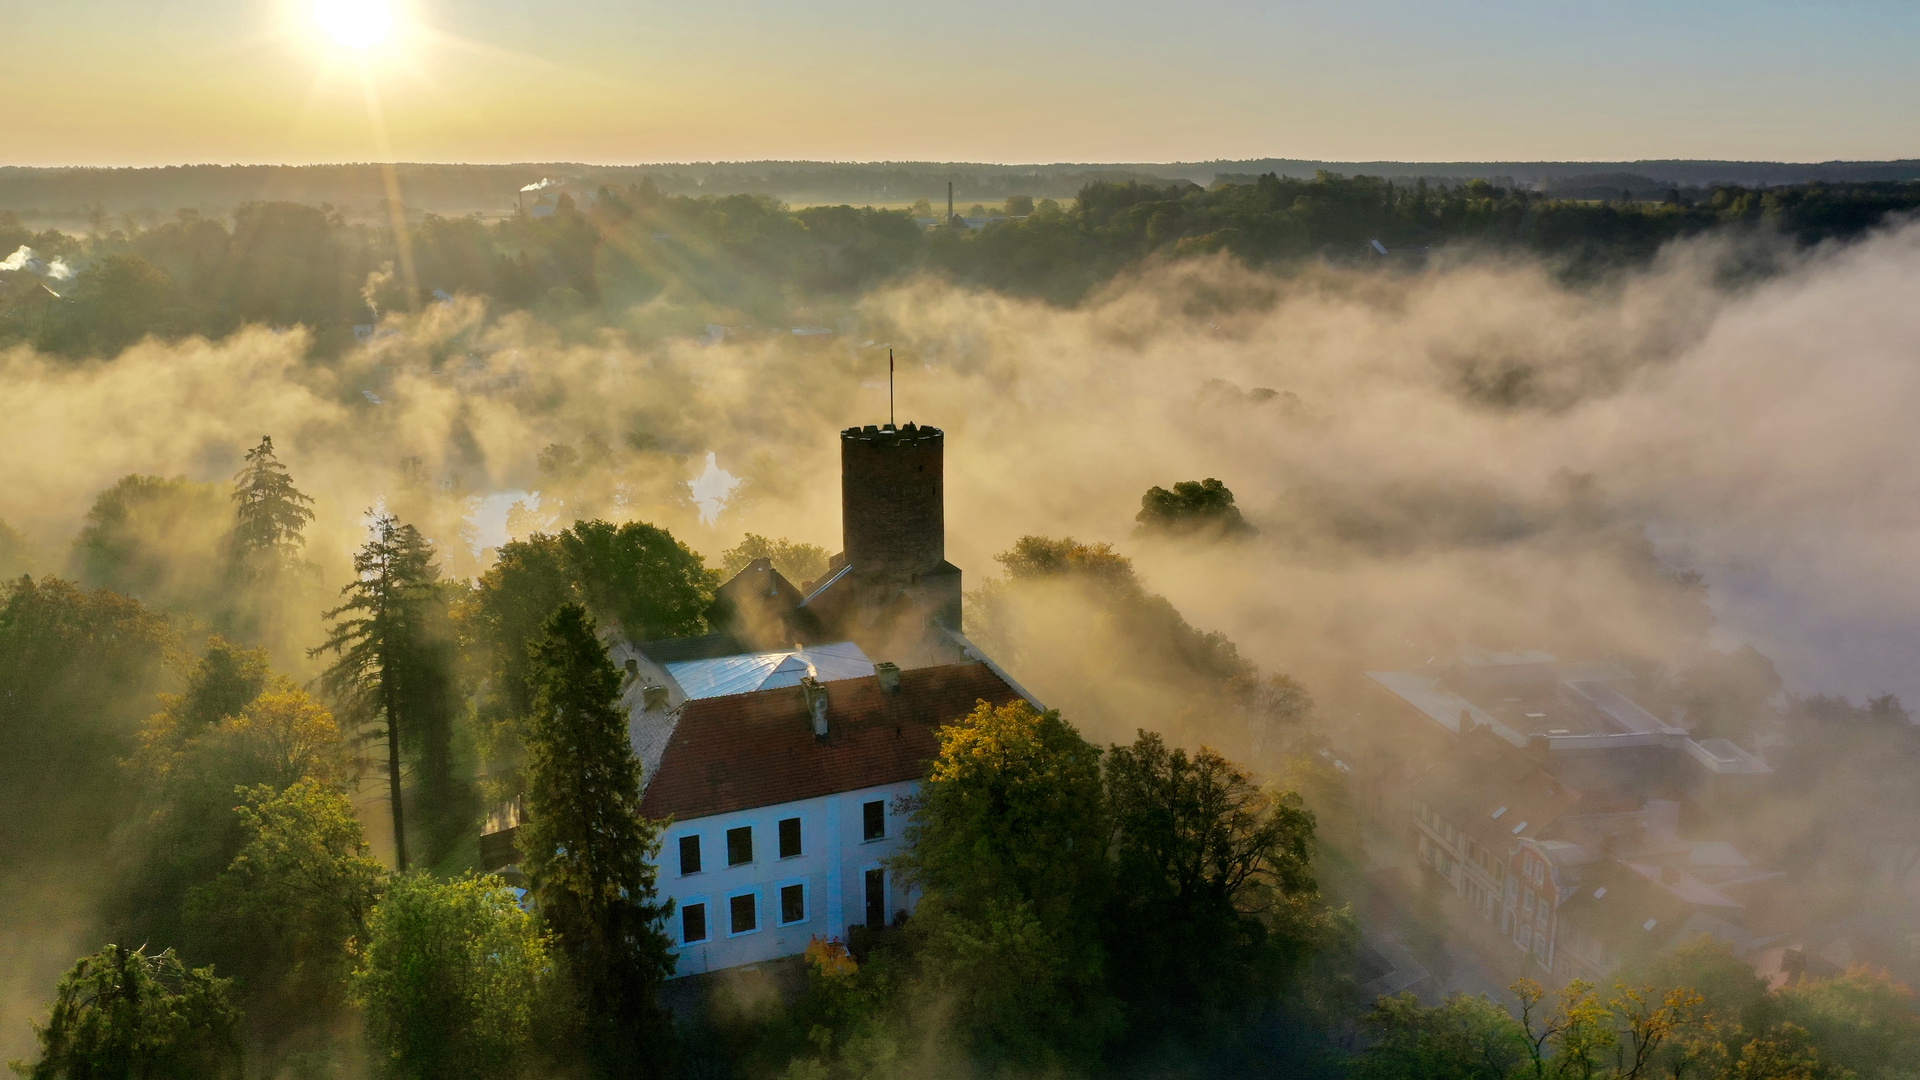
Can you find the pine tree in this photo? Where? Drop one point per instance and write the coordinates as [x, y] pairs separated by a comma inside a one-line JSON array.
[[270, 514], [588, 852], [383, 648]]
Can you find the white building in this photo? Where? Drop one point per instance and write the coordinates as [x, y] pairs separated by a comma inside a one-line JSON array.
[[785, 806]]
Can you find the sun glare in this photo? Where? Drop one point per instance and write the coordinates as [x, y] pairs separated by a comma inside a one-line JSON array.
[[355, 24]]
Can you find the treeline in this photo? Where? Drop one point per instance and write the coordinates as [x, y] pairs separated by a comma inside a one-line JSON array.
[[654, 263]]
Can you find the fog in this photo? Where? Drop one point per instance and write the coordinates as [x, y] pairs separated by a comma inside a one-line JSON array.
[[1457, 453]]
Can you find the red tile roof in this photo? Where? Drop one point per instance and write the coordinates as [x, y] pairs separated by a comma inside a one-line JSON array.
[[747, 750]]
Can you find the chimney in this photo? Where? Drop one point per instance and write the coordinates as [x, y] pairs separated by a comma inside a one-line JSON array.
[[655, 697], [633, 670], [1670, 875], [816, 698], [889, 673]]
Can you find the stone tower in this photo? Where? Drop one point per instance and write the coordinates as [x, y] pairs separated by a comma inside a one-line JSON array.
[[893, 500]]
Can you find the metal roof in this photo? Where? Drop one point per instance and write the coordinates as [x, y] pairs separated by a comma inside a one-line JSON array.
[[748, 672]]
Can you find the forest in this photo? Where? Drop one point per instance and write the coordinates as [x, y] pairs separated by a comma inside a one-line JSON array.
[[651, 264], [261, 690]]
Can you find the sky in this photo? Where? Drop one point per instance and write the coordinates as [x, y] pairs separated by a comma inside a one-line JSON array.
[[147, 82]]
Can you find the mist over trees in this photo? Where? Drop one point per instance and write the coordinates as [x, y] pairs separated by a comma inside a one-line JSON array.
[[647, 262], [1164, 877]]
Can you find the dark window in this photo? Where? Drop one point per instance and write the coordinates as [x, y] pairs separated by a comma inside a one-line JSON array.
[[741, 907], [875, 819], [693, 923], [689, 855], [793, 904], [789, 837], [740, 845], [876, 898]]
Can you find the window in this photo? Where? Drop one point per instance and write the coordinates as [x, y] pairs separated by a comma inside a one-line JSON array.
[[689, 855], [874, 817], [789, 837], [793, 904], [740, 845], [876, 898], [740, 911], [693, 923]]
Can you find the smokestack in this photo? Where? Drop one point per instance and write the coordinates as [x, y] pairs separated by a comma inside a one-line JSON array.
[[949, 202], [816, 696]]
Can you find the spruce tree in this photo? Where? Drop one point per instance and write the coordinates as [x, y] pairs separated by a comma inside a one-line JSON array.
[[270, 515], [588, 852], [383, 671]]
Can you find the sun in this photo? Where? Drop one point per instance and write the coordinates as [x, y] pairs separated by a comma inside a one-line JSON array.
[[355, 24]]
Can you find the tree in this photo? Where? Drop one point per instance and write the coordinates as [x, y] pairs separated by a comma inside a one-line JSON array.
[[1213, 889], [123, 1014], [384, 654], [798, 563], [1192, 508], [635, 575], [1463, 1038], [78, 670], [115, 302], [284, 913], [450, 979], [1009, 841], [236, 727], [588, 852], [155, 539], [639, 576], [1864, 1021], [270, 515]]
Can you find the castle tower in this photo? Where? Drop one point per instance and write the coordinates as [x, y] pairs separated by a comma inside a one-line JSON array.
[[893, 500]]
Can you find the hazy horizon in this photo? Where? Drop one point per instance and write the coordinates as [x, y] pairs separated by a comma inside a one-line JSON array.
[[507, 81]]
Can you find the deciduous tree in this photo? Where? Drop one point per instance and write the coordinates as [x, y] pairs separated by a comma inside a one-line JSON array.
[[120, 1013]]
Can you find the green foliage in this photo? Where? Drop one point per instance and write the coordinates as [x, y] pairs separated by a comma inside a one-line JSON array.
[[284, 914], [1009, 842], [635, 575], [450, 980], [78, 671], [1463, 1038], [1193, 508], [588, 851], [124, 1015], [746, 257], [235, 728], [1214, 900], [640, 577], [1863, 1021], [798, 563], [391, 663], [114, 303], [270, 514], [1077, 621], [151, 538]]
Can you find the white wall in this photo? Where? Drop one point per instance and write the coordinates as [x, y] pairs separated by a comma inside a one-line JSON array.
[[835, 856]]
